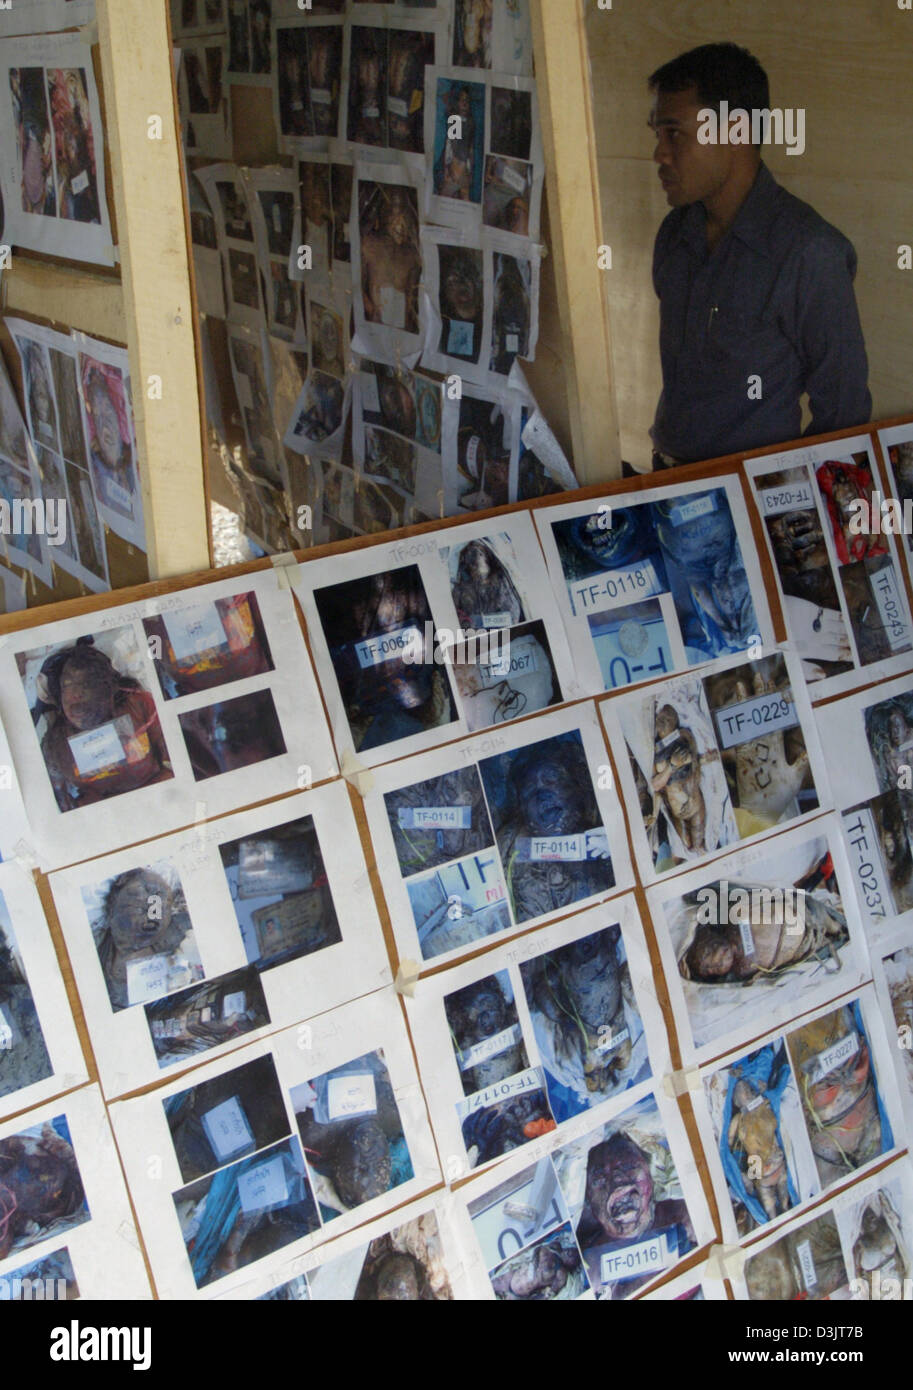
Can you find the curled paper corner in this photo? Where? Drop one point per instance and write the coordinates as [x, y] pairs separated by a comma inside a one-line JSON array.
[[725, 1262], [286, 567], [677, 1083], [407, 978], [89, 32], [356, 774], [127, 1231]]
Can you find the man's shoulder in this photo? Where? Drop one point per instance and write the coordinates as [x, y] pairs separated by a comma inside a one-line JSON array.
[[796, 227]]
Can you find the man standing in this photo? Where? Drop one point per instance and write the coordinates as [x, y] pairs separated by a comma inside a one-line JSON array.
[[755, 288]]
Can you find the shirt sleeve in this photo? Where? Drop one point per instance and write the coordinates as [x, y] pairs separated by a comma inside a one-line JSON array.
[[830, 337]]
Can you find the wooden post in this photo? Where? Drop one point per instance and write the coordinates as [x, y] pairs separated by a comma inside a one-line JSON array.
[[136, 60], [563, 82]]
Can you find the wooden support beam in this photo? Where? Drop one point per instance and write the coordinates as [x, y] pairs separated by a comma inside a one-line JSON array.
[[563, 82], [136, 61]]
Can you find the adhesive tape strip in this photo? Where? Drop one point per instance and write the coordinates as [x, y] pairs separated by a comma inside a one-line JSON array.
[[25, 856], [89, 32], [678, 1082], [407, 978], [725, 1262], [286, 567], [356, 774]]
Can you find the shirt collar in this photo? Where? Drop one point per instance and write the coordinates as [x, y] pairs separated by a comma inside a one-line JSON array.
[[752, 222]]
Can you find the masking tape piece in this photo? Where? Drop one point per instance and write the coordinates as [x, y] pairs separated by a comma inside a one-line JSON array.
[[127, 1232], [25, 856], [89, 32], [356, 774], [407, 978], [725, 1262], [286, 567], [677, 1083]]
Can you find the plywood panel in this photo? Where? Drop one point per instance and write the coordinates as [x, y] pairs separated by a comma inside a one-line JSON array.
[[839, 62]]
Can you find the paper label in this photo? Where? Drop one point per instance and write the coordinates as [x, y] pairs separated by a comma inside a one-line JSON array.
[[472, 454], [194, 630], [227, 1129], [807, 1265], [297, 104], [322, 95], [747, 939], [460, 337], [117, 496], [500, 1091], [890, 608], [392, 307], [647, 1257], [586, 844], [873, 886], [513, 178], [795, 498], [370, 400], [46, 428], [81, 182], [512, 342], [96, 749], [833, 1057], [489, 1047], [522, 663], [397, 107], [147, 979], [263, 1186], [6, 1033], [690, 511], [355, 1094], [277, 217], [435, 817], [371, 113], [607, 591], [374, 651], [763, 714], [495, 619], [234, 1004]]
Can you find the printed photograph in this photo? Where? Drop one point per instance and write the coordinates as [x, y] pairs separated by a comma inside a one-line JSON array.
[[74, 145], [232, 734], [459, 140], [206, 1015], [404, 1266], [24, 1055], [507, 194], [548, 825], [462, 301], [511, 123], [95, 719], [34, 140], [352, 1135], [208, 644], [519, 681], [41, 1191], [511, 312], [143, 934], [109, 422], [391, 254], [243, 1212], [585, 1019], [368, 623], [280, 893], [806, 1263], [227, 1118]]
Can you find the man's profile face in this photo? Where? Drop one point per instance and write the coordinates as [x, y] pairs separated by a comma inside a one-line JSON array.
[[689, 171]]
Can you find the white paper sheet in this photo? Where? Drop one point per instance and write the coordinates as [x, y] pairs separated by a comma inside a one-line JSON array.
[[416, 1251], [308, 62], [541, 1196], [655, 581], [483, 151], [281, 892], [271, 194], [199, 755], [491, 859], [831, 1255], [204, 95], [224, 187], [21, 541], [107, 404], [52, 173], [396, 432], [387, 62], [45, 16], [770, 933], [892, 969], [797, 1113], [40, 1055], [387, 261], [841, 588], [90, 1221], [715, 759], [393, 685], [531, 1036], [329, 1191]]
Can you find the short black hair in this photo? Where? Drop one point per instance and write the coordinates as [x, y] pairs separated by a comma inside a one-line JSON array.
[[720, 72]]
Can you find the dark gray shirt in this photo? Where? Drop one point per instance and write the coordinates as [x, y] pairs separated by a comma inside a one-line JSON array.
[[773, 300]]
